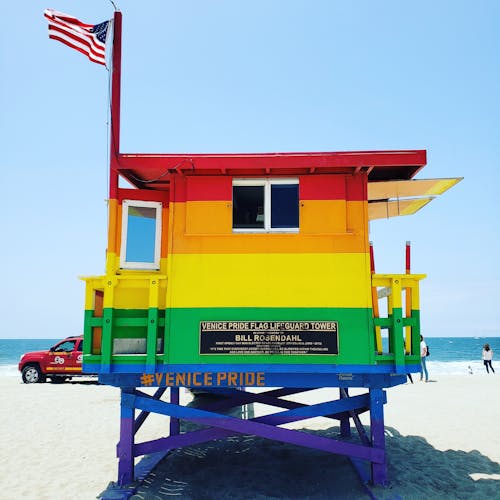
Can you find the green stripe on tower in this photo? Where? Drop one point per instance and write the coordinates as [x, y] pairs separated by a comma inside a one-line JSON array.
[[355, 332]]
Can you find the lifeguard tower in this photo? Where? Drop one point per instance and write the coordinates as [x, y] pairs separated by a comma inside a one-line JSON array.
[[226, 272]]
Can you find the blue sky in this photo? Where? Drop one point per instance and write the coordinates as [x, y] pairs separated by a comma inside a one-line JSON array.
[[259, 76]]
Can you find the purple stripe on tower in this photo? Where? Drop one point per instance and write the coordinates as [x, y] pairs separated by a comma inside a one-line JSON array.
[[124, 449]]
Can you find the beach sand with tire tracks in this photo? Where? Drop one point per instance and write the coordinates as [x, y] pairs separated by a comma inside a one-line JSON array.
[[442, 437]]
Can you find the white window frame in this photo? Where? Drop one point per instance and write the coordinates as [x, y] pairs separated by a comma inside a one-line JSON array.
[[124, 264], [267, 183]]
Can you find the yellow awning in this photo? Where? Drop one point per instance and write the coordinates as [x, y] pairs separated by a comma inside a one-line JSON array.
[[394, 198], [385, 190], [394, 208]]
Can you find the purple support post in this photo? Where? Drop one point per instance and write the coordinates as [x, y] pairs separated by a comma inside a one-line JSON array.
[[125, 446], [379, 469], [174, 422], [345, 425]]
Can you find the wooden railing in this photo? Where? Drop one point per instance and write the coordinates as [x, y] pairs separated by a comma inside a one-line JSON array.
[[401, 323], [105, 296]]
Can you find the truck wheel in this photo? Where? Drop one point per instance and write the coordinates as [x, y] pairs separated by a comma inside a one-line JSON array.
[[32, 375]]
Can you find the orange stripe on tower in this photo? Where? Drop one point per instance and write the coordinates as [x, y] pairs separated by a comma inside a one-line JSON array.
[[206, 227]]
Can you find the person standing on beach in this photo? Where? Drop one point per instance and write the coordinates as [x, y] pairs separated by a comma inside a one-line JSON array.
[[423, 359], [487, 357]]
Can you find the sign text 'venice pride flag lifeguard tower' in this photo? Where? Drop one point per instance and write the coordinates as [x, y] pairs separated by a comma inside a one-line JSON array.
[[227, 271]]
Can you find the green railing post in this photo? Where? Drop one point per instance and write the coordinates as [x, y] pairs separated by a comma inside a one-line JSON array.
[[396, 331], [152, 327], [107, 325]]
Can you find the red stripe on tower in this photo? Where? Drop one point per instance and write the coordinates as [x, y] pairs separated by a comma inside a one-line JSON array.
[[333, 187]]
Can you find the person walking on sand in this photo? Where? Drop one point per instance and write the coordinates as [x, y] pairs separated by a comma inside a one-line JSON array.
[[423, 360], [487, 357]]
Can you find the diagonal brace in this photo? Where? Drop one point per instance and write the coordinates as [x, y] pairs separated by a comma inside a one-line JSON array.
[[259, 429]]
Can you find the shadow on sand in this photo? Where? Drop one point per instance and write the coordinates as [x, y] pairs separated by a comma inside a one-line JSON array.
[[247, 467]]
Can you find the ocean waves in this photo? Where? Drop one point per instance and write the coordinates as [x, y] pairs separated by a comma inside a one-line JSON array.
[[469, 368]]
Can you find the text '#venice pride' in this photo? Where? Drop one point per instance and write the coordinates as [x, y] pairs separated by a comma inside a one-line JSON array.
[[203, 379]]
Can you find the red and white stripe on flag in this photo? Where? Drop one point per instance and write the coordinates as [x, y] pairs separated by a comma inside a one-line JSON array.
[[89, 39]]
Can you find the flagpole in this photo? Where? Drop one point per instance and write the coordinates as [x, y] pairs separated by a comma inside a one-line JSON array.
[[115, 105], [114, 150]]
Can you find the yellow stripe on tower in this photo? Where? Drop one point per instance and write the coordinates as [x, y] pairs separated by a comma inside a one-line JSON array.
[[270, 280]]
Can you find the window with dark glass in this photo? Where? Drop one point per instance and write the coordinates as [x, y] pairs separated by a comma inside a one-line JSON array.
[[284, 205], [266, 205], [248, 207]]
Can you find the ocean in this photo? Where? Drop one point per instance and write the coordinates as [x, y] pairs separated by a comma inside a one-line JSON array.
[[448, 355], [11, 351]]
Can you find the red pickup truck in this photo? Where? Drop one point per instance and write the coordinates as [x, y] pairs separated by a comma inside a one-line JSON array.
[[60, 362]]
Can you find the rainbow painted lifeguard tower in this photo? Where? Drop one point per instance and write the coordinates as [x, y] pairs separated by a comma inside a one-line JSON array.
[[231, 271]]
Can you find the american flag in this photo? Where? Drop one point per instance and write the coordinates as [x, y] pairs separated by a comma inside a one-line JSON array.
[[89, 39]]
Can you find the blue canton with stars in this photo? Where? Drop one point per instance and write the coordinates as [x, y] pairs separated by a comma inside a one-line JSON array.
[[100, 31]]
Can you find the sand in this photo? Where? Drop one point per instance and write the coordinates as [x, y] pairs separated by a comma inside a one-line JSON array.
[[443, 440]]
